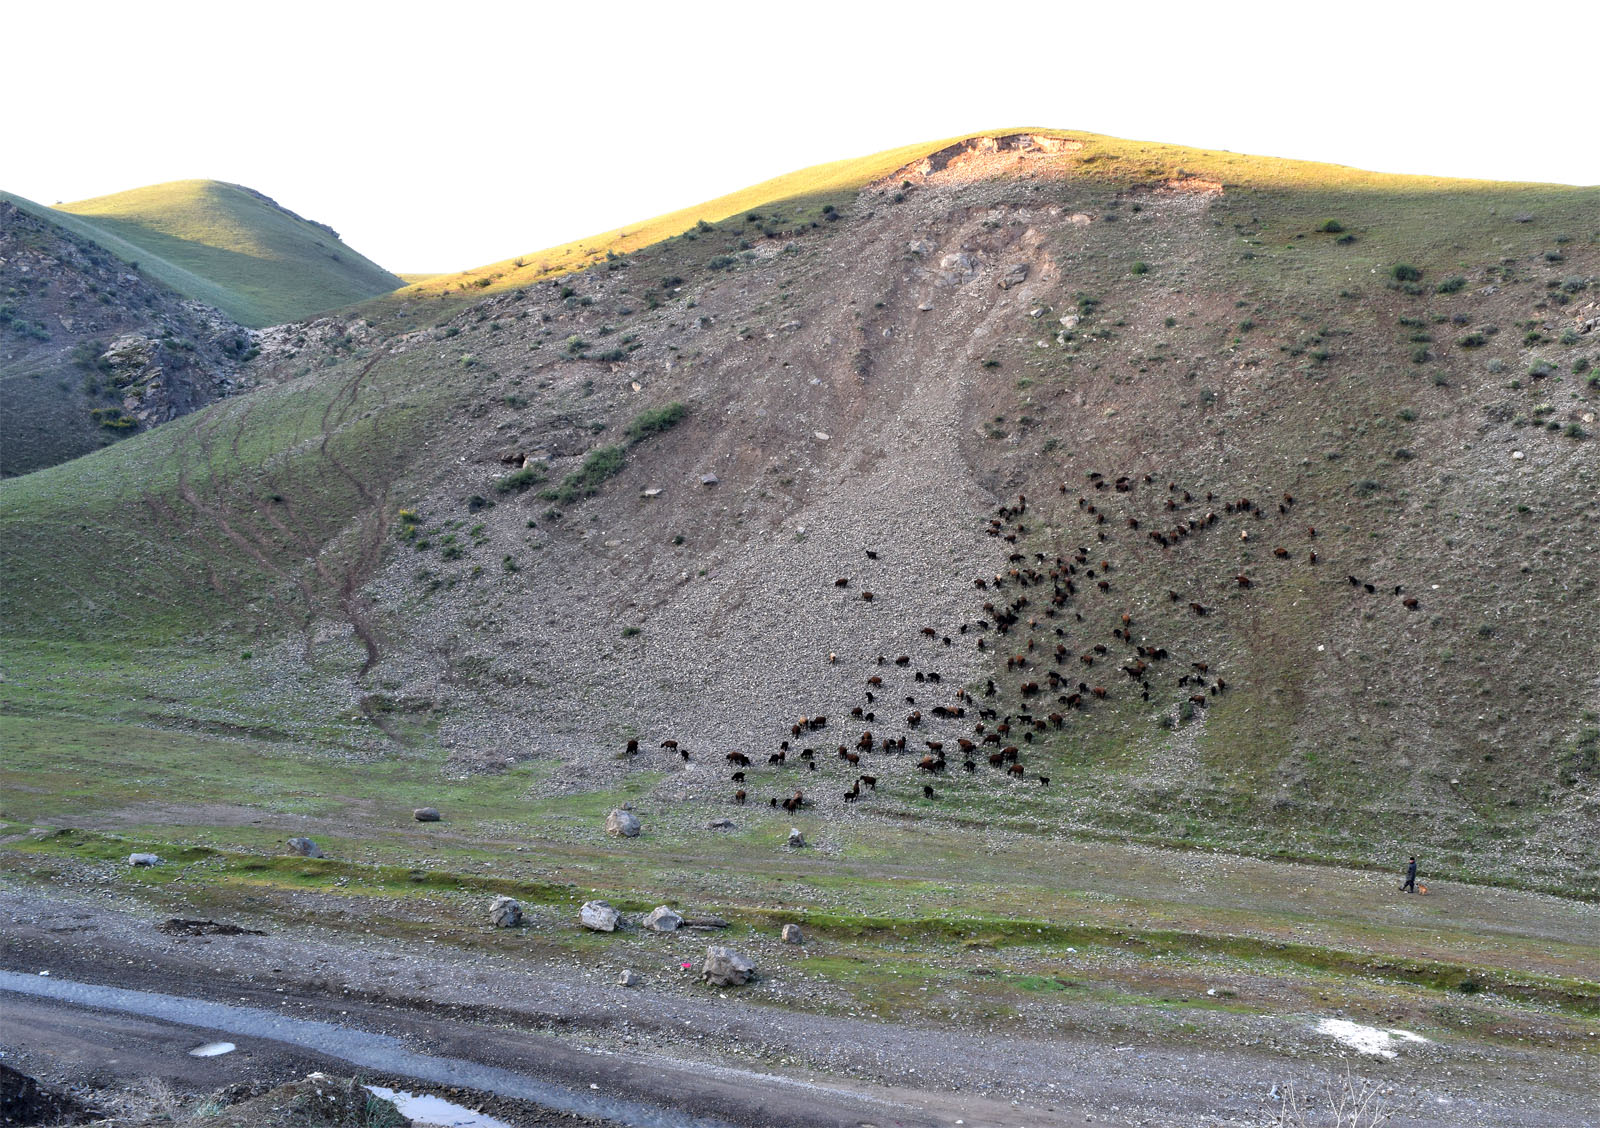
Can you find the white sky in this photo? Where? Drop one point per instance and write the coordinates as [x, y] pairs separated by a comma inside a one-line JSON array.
[[444, 135]]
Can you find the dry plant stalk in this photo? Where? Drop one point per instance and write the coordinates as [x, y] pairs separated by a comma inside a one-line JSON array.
[[1351, 1102]]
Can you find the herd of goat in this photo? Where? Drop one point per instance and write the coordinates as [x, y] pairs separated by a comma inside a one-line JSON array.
[[1031, 608]]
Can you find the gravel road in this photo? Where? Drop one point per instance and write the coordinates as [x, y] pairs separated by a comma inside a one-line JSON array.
[[714, 1057]]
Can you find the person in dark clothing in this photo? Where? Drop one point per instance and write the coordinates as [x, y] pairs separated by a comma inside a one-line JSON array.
[[1411, 877]]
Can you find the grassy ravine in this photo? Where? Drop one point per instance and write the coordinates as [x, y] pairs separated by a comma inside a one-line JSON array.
[[227, 246]]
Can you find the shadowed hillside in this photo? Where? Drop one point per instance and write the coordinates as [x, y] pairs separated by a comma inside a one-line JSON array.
[[1074, 413], [92, 350]]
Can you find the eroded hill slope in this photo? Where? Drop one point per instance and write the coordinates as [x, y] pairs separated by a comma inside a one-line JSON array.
[[1095, 397]]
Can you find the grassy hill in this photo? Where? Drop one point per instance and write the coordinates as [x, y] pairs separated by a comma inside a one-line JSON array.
[[809, 196], [230, 247], [498, 539]]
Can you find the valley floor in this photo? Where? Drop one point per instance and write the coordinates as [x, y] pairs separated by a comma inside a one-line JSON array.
[[770, 1055]]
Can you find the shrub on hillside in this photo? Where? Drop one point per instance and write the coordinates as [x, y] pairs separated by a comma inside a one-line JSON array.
[[656, 420], [1330, 227], [518, 480], [601, 464], [1402, 272]]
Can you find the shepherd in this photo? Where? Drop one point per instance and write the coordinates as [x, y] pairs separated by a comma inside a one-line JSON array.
[[1411, 877]]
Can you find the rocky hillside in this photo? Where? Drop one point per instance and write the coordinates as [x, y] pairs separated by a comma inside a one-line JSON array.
[[1211, 499], [93, 350]]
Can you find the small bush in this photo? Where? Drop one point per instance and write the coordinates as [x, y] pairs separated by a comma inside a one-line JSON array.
[[1403, 272], [113, 419], [1330, 227], [629, 632], [1452, 285], [1141, 268], [89, 355], [600, 464], [518, 480], [1473, 341], [655, 421]]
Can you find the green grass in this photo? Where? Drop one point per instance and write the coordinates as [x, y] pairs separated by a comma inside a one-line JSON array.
[[171, 505], [599, 466], [227, 246], [655, 421], [604, 463]]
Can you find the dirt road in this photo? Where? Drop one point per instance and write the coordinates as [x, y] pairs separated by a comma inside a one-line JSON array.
[[655, 1052]]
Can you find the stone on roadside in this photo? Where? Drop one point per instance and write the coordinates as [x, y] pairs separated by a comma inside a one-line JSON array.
[[705, 924], [725, 967], [721, 824], [793, 935], [622, 824], [305, 848], [599, 916], [426, 814], [663, 919], [505, 912], [627, 979], [796, 839], [138, 860]]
